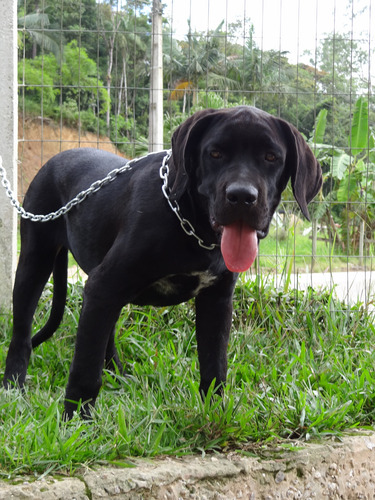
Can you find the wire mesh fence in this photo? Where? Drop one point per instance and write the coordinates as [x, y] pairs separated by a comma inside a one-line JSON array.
[[85, 80]]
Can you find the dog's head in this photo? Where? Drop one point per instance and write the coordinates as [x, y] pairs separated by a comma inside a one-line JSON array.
[[239, 160]]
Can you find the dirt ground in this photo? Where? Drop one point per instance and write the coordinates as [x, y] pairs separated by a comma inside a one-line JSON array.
[[40, 139]]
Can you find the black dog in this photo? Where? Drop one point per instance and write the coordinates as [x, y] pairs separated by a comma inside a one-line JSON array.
[[227, 171]]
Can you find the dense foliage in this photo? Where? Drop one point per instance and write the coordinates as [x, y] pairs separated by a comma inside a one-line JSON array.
[[87, 64], [107, 46]]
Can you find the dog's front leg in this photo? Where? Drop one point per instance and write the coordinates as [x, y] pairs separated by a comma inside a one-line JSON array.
[[213, 323], [99, 313]]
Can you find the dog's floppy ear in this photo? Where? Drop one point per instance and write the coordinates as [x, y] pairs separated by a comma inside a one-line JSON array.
[[305, 170], [184, 141]]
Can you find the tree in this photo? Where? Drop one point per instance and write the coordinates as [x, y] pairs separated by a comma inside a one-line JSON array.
[[55, 85], [109, 23], [79, 81], [76, 20], [340, 61], [34, 25], [124, 32], [202, 64], [33, 72], [132, 47]]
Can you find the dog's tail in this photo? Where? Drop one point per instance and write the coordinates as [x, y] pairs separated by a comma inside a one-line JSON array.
[[60, 281]]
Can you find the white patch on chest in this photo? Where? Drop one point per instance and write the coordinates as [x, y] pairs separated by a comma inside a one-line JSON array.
[[206, 279], [171, 285]]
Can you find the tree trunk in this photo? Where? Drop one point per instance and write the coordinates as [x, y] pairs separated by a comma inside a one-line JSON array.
[[123, 91], [109, 76], [361, 241], [184, 102], [109, 39], [314, 242], [120, 94]]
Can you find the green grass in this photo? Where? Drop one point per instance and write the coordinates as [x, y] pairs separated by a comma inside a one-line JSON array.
[[292, 242], [301, 365]]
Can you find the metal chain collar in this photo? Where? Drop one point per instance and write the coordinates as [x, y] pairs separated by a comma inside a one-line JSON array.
[[95, 186], [185, 224]]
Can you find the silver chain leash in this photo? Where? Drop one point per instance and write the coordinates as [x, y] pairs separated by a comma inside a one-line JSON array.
[[95, 186], [79, 198]]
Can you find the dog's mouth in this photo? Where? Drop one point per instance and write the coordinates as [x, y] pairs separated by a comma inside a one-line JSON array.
[[239, 244]]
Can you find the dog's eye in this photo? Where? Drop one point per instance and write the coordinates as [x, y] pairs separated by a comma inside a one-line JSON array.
[[215, 154], [271, 157]]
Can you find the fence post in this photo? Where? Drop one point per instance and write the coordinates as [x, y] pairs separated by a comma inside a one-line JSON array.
[[156, 90], [8, 146], [361, 244]]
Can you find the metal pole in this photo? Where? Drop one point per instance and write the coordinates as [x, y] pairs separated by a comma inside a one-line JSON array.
[[8, 146], [156, 80]]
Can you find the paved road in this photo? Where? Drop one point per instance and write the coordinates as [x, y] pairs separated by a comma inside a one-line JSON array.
[[352, 287]]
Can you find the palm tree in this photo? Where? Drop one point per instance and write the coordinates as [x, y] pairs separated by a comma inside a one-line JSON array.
[[128, 42], [203, 59], [33, 25]]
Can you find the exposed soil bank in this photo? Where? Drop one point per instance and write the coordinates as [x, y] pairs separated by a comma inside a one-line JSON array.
[[40, 139]]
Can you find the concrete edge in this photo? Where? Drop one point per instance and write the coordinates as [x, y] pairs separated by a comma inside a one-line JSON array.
[[336, 469]]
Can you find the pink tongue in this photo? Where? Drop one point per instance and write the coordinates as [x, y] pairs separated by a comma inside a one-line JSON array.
[[239, 246]]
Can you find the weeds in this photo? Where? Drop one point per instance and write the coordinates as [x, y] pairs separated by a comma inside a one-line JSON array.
[[300, 366]]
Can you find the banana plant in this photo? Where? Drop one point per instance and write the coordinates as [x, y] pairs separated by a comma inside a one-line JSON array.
[[356, 190], [352, 177]]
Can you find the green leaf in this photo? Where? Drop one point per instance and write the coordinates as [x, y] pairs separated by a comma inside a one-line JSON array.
[[339, 165], [372, 147], [358, 139], [320, 127], [319, 209], [346, 189]]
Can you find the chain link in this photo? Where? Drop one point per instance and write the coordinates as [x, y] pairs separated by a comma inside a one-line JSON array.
[[79, 198], [95, 186], [185, 224]]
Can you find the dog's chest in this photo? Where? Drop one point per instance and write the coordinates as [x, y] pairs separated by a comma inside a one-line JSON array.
[[193, 283], [176, 288]]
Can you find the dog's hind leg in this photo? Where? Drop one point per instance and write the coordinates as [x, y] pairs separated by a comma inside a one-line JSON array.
[[34, 268], [60, 280]]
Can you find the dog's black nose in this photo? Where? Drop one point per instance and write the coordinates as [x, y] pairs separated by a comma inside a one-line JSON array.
[[239, 194]]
